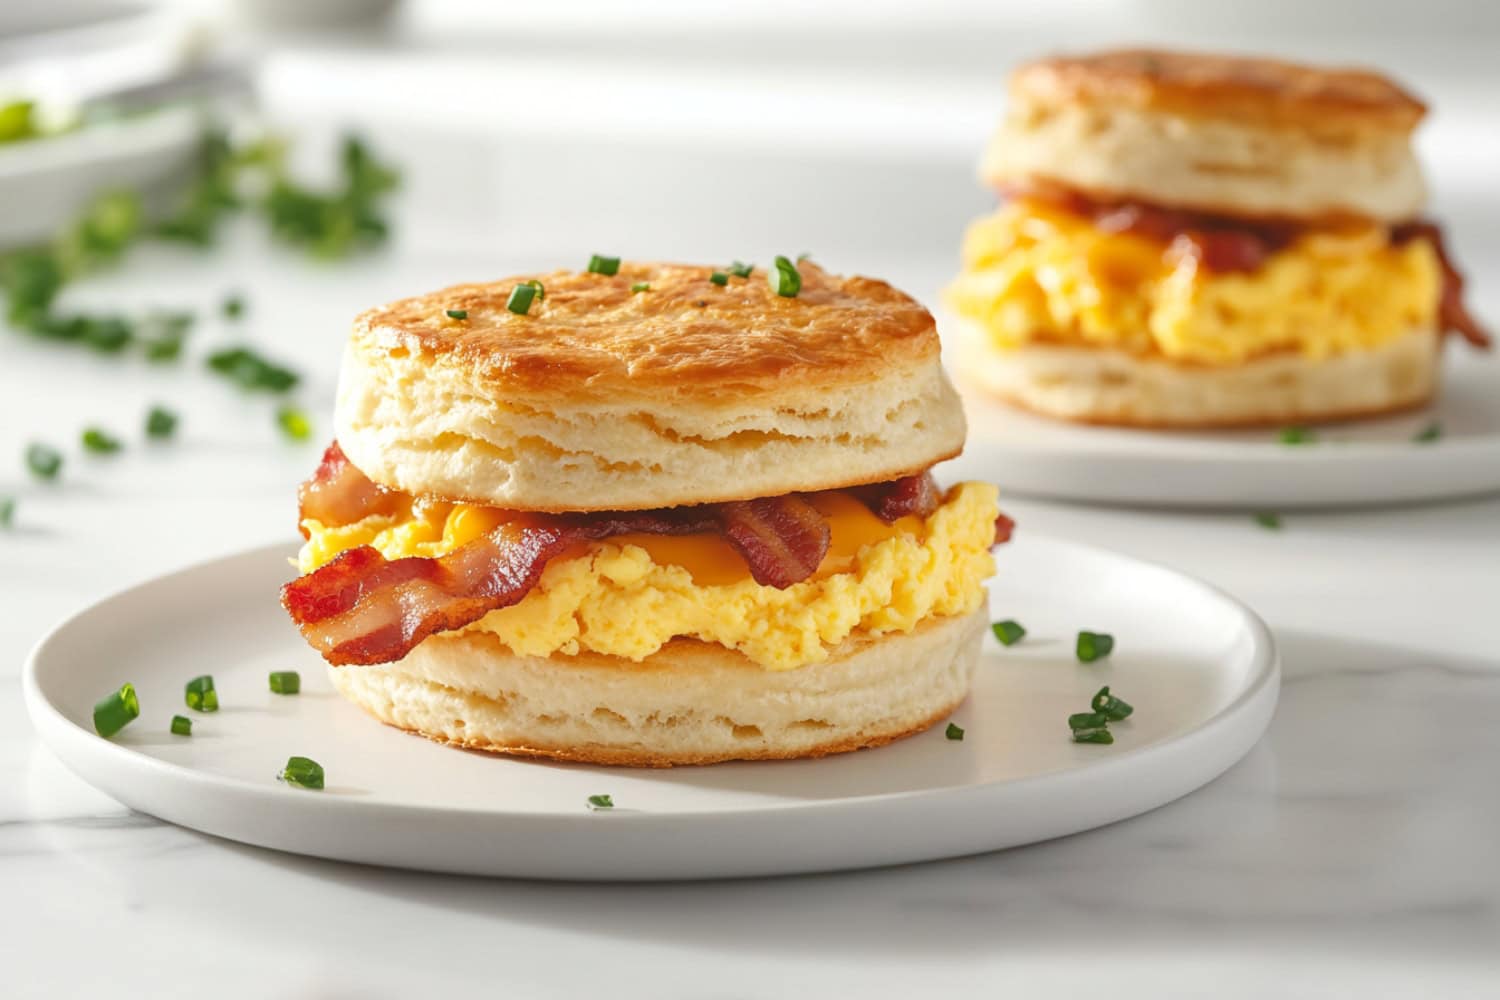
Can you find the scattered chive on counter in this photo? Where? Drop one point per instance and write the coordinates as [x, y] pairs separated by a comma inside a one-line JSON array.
[[601, 802], [200, 694], [115, 710], [640, 286], [520, 299], [7, 511], [719, 278], [1093, 646], [252, 372], [1008, 632], [1430, 433], [233, 307], [286, 681], [604, 265], [302, 772], [182, 725], [294, 423], [43, 460], [1296, 435], [100, 441], [1268, 520], [740, 269], [160, 422], [953, 732], [456, 313], [784, 278]]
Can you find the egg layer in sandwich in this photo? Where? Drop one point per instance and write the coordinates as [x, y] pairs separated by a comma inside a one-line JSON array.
[[650, 518], [1205, 240]]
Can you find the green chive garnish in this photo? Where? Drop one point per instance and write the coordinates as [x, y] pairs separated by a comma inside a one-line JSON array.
[[1109, 706], [604, 265], [182, 725], [719, 278], [234, 307], [114, 711], [250, 371], [1008, 632], [520, 299], [601, 802], [1296, 435], [641, 286], [286, 681], [740, 269], [1088, 720], [294, 423], [457, 313], [1093, 736], [1268, 520], [784, 278], [302, 772], [43, 461], [200, 694], [100, 442], [7, 511], [160, 422], [1430, 433], [953, 732], [1094, 646]]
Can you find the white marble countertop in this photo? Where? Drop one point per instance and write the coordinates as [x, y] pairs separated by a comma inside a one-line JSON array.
[[1353, 852]]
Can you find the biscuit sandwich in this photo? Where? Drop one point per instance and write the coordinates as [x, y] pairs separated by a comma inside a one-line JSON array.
[[648, 514], [1200, 240]]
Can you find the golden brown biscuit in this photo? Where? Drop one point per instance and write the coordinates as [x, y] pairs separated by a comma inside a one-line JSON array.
[[603, 398]]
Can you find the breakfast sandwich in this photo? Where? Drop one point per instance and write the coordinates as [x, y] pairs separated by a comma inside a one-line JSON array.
[[648, 514], [1201, 240]]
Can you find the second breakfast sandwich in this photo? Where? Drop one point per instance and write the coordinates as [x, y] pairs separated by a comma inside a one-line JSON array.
[[1199, 240], [648, 514]]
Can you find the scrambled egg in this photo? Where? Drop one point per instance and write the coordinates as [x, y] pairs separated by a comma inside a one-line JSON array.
[[1036, 273], [631, 594]]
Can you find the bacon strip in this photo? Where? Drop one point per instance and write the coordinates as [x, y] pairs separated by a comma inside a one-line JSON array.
[[914, 495], [338, 493], [1004, 528], [783, 539], [1452, 313]]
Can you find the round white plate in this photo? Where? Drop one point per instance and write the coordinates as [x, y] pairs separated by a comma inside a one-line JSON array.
[[1199, 667], [1369, 462]]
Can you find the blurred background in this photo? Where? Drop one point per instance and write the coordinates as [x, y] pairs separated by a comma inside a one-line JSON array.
[[527, 136]]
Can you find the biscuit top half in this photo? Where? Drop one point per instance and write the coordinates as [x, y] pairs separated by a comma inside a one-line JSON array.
[[1252, 90], [652, 387]]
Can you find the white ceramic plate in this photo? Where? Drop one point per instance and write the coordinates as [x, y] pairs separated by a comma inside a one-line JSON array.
[[1199, 667], [1371, 462]]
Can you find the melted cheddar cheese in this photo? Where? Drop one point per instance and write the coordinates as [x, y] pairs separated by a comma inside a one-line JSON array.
[[631, 594], [1036, 273]]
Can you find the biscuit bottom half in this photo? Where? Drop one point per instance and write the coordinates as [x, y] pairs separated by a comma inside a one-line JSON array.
[[691, 702]]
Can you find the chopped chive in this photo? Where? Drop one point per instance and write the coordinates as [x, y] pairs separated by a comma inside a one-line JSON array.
[[294, 423], [200, 694], [160, 422], [740, 269], [784, 278], [233, 307], [286, 681], [7, 511], [1430, 433], [163, 334], [1094, 646], [640, 286], [1268, 520], [604, 265], [182, 725], [1109, 706], [1093, 736], [719, 278], [115, 710], [953, 732], [1008, 632], [250, 371], [597, 802], [302, 772], [457, 313], [1088, 720], [43, 461], [1296, 435], [100, 442], [520, 299]]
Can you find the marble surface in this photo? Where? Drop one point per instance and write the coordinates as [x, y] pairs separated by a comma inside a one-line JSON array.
[[1353, 852]]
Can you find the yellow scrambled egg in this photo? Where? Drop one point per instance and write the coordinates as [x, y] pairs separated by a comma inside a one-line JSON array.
[[1036, 273], [630, 595]]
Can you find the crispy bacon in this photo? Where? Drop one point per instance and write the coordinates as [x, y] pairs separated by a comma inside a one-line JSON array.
[[338, 493], [913, 495], [1452, 313], [1004, 528], [783, 539]]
